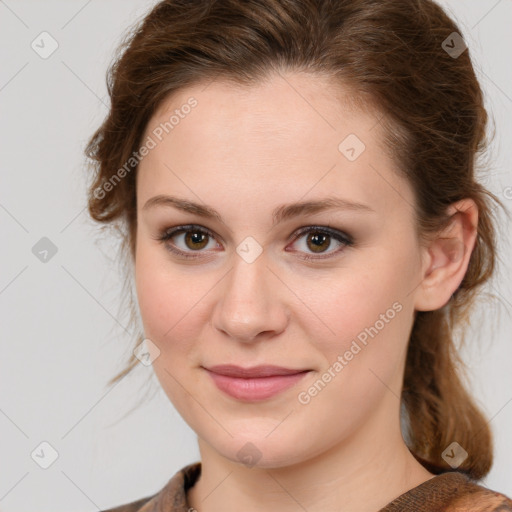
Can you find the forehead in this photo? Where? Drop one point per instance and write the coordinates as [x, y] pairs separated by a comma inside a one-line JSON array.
[[274, 104], [285, 137]]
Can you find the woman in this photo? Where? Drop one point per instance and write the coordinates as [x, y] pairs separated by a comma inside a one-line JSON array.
[[296, 184]]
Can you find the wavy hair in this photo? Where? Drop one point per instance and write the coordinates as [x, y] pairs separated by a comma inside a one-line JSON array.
[[396, 58]]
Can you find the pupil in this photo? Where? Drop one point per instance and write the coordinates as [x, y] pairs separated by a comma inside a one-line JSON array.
[[315, 239], [196, 237]]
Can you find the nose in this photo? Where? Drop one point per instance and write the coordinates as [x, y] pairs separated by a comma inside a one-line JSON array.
[[252, 302]]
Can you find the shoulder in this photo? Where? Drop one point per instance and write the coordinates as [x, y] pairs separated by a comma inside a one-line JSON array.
[[477, 498], [462, 494], [450, 492], [171, 498], [140, 505]]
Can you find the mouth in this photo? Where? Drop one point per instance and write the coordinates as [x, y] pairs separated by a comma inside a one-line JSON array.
[[256, 383]]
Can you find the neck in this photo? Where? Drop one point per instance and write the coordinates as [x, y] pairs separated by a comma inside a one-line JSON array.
[[364, 472]]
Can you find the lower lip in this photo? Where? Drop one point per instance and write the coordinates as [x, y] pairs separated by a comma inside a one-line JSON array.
[[255, 389]]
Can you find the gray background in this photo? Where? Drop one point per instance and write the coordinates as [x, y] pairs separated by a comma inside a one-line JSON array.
[[63, 330]]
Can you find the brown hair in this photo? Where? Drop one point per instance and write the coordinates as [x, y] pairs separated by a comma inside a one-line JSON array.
[[391, 56]]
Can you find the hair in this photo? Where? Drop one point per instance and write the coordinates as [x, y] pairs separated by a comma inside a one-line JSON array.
[[390, 57]]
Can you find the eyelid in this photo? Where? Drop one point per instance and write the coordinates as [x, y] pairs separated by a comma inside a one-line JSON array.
[[340, 236]]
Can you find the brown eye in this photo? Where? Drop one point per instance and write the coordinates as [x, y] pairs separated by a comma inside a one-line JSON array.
[[195, 239], [319, 239]]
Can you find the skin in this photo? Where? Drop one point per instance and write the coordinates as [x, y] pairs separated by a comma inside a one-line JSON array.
[[244, 151]]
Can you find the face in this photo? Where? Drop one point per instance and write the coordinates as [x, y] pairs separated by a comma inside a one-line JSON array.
[[324, 290]]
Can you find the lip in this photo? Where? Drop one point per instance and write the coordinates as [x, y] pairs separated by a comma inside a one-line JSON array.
[[266, 370], [255, 383]]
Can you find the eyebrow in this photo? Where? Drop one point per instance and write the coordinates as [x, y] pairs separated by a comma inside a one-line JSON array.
[[280, 214]]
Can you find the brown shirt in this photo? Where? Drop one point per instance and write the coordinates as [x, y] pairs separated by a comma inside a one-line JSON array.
[[448, 492]]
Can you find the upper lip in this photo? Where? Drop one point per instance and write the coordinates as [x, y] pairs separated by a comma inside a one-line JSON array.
[[254, 371]]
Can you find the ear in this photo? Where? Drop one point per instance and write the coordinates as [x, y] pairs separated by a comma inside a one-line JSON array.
[[446, 258]]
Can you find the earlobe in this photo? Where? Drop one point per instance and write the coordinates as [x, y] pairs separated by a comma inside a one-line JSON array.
[[447, 257]]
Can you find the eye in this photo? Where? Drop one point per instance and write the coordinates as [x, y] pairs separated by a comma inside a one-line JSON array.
[[195, 238], [320, 238]]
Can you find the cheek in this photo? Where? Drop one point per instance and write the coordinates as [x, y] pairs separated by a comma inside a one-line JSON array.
[[362, 360], [353, 300], [153, 294], [165, 306], [173, 305], [161, 295], [363, 316]]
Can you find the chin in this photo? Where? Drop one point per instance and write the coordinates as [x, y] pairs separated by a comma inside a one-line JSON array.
[[259, 451]]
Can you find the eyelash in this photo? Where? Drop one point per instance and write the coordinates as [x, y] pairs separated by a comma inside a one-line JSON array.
[[345, 239]]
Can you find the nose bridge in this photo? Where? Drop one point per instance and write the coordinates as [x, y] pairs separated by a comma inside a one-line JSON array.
[[248, 304]]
